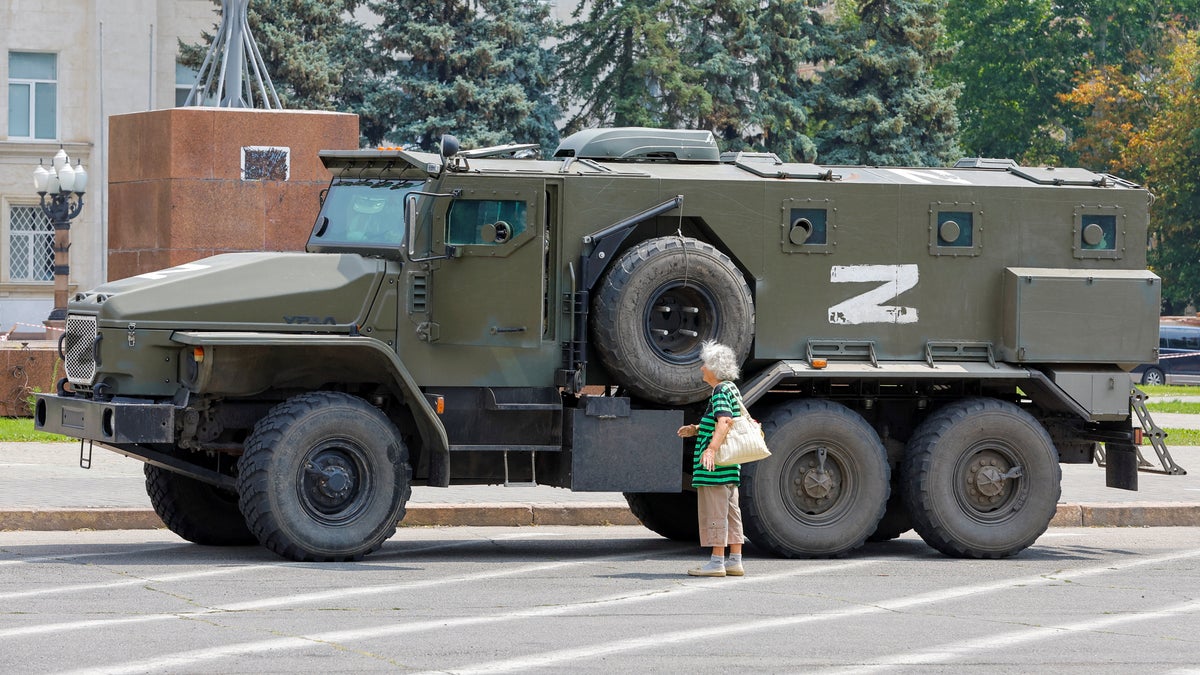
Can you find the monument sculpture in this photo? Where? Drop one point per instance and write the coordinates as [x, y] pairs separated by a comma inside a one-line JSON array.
[[233, 68]]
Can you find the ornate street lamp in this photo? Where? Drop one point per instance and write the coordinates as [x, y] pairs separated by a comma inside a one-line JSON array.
[[60, 182]]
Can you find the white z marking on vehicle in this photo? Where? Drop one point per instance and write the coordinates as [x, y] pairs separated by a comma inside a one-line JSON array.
[[868, 307], [931, 176], [162, 274]]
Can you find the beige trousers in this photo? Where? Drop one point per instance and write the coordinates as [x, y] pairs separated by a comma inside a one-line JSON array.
[[720, 515]]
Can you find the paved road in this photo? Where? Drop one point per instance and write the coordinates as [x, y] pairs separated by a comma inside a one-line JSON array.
[[590, 599]]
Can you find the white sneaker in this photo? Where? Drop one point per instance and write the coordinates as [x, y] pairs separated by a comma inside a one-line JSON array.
[[712, 569]]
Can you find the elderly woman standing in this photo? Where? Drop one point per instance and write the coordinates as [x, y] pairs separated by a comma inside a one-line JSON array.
[[717, 486]]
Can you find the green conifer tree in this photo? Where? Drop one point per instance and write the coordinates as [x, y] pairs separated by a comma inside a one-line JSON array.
[[473, 68], [622, 65], [879, 101], [792, 38]]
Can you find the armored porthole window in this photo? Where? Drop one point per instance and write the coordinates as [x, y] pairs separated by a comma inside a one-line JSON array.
[[1099, 232], [807, 226], [955, 228]]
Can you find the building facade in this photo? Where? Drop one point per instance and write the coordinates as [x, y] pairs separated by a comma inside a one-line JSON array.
[[68, 66]]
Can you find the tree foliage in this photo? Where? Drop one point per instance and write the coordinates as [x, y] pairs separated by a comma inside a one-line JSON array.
[[729, 66], [1016, 59], [879, 101], [623, 64], [474, 68], [1170, 149]]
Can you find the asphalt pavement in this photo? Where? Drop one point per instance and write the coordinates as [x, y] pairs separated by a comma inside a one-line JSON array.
[[43, 487]]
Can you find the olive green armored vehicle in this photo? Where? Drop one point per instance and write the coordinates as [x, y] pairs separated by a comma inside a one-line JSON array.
[[924, 347]]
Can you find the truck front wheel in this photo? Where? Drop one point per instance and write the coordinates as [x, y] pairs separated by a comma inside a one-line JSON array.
[[196, 511], [823, 490], [324, 477], [982, 479]]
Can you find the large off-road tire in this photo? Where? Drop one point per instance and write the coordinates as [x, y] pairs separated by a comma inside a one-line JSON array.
[[324, 477], [196, 511], [822, 491], [656, 305], [982, 479], [670, 514]]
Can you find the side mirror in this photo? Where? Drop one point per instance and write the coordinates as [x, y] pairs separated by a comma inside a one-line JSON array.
[[449, 146]]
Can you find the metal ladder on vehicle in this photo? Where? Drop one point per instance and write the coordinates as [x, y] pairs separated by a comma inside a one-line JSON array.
[[532, 482], [1137, 402]]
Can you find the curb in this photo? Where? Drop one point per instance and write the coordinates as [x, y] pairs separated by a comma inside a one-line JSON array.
[[519, 515], [417, 515]]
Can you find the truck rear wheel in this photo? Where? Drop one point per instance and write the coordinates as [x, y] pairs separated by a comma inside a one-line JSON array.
[[823, 490], [196, 511], [324, 477], [670, 514], [660, 300], [982, 479]]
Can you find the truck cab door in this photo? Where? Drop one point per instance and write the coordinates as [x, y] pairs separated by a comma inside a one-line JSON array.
[[491, 291]]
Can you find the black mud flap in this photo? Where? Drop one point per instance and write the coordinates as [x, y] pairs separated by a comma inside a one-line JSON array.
[[616, 449], [1121, 466]]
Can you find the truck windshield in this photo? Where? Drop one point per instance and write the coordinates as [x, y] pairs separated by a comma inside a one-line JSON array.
[[363, 212]]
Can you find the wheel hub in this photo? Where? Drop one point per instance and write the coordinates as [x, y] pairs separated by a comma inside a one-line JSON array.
[[678, 319], [818, 483], [988, 479], [330, 481]]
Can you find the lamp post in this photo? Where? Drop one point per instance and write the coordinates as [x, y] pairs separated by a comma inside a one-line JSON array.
[[60, 182]]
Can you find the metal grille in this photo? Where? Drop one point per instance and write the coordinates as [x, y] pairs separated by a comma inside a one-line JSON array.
[[78, 357], [31, 245]]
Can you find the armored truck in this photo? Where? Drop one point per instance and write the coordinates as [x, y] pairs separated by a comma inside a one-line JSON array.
[[924, 346]]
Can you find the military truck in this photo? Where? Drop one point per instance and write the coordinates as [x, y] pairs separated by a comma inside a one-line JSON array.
[[924, 346]]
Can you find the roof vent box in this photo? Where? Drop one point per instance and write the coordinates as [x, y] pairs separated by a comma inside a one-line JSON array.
[[641, 143]]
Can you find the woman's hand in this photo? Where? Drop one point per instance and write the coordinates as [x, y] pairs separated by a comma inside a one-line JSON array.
[[688, 430], [708, 459]]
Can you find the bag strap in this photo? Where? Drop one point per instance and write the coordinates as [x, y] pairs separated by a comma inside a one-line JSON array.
[[738, 397]]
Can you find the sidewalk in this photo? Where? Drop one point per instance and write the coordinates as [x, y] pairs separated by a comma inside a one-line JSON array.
[[42, 487]]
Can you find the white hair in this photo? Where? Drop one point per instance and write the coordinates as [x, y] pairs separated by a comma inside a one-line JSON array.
[[720, 359]]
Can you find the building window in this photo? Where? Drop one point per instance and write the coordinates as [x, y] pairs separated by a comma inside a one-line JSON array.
[[185, 79], [30, 245], [32, 95]]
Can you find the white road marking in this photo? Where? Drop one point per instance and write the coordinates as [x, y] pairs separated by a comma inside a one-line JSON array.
[[974, 646], [294, 599], [132, 581], [188, 660], [724, 630], [76, 556]]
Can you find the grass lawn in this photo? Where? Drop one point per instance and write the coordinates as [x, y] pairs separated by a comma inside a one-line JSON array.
[[21, 429], [1161, 390]]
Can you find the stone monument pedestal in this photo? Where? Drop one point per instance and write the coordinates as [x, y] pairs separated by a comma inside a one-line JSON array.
[[188, 183]]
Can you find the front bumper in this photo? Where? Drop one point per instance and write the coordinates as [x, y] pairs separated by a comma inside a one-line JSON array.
[[118, 421]]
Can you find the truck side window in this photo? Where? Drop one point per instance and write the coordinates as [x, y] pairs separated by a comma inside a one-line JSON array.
[[954, 228], [1099, 233], [484, 222], [809, 227]]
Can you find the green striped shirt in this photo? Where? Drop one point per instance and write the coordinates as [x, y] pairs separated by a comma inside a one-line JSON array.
[[722, 403]]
